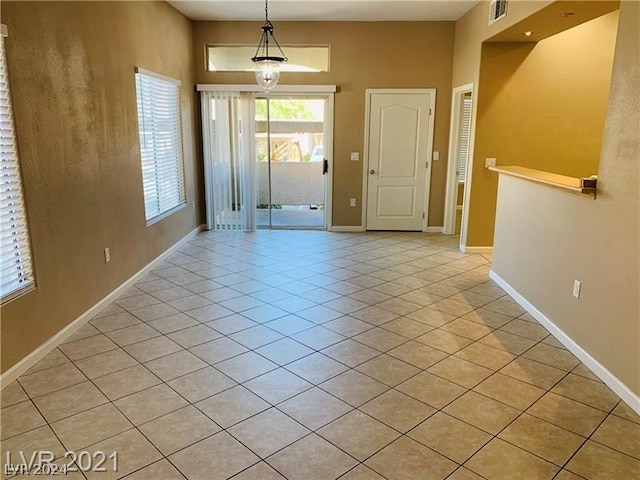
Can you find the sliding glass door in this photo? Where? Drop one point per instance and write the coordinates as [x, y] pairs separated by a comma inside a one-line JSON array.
[[266, 159], [291, 161]]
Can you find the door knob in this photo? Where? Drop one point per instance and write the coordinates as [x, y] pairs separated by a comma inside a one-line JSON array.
[[372, 171]]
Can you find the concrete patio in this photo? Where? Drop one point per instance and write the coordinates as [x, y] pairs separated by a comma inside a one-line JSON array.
[[291, 216]]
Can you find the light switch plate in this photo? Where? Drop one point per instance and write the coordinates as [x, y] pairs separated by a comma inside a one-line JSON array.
[[355, 156], [577, 285], [436, 155], [489, 162]]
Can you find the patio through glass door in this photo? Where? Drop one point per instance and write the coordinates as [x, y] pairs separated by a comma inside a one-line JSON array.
[[291, 161]]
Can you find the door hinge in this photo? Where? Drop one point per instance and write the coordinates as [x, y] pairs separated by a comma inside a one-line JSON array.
[[426, 165], [423, 215], [429, 111]]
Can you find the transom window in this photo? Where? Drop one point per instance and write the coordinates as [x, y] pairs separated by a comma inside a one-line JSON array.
[[237, 58]]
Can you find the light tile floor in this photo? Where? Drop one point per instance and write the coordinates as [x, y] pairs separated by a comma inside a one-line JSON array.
[[315, 355]]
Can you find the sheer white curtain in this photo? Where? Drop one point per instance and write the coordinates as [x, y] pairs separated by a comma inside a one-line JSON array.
[[229, 166]]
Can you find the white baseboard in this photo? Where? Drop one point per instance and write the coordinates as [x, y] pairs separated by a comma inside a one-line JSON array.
[[52, 343], [465, 249], [346, 228], [358, 228], [625, 393]]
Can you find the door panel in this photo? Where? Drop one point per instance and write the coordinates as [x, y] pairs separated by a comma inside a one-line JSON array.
[[290, 161], [398, 153], [399, 125], [396, 202]]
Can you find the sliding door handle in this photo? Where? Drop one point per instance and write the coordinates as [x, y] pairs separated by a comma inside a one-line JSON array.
[[325, 166]]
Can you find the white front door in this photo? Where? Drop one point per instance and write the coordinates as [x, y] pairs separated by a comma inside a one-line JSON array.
[[399, 149]]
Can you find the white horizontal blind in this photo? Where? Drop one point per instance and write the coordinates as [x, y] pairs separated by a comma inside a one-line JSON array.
[[160, 145], [15, 253], [465, 133]]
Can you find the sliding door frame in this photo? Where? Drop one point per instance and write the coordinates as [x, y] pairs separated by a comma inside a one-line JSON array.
[[328, 149], [309, 91]]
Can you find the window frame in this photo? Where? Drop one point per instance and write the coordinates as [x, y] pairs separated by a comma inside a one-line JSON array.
[[251, 48], [24, 280], [164, 81]]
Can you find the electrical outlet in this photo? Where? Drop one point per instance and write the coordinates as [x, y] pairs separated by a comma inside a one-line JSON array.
[[489, 162], [576, 288], [193, 205], [107, 255], [436, 155], [355, 156], [352, 202]]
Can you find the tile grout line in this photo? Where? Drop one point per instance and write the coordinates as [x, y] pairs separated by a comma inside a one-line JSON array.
[[351, 337]]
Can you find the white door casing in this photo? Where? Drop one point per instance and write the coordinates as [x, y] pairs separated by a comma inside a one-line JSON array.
[[399, 139], [452, 168]]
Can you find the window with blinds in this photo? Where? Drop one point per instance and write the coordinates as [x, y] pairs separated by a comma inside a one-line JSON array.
[[15, 251], [465, 134], [160, 144]]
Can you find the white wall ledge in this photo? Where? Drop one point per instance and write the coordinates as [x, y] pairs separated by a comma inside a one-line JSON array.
[[563, 182]]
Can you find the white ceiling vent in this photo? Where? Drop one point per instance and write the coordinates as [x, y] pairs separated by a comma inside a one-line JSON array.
[[497, 10]]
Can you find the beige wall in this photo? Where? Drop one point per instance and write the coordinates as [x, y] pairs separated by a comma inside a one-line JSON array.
[[547, 102], [363, 55], [546, 238], [540, 105], [460, 194], [72, 74], [473, 28]]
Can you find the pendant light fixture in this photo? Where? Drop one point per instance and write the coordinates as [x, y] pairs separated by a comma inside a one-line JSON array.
[[267, 66]]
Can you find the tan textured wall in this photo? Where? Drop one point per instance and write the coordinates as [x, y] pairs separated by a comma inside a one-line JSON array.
[[72, 74], [558, 91], [540, 106], [471, 31], [473, 28], [363, 55], [460, 194], [546, 238]]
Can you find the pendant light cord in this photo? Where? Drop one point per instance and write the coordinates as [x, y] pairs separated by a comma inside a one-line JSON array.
[[267, 31], [266, 16]]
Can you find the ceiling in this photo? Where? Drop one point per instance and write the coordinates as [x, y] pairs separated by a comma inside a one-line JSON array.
[[325, 10]]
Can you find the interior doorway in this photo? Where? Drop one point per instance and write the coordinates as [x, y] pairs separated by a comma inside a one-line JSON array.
[[398, 158], [458, 181], [291, 161]]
